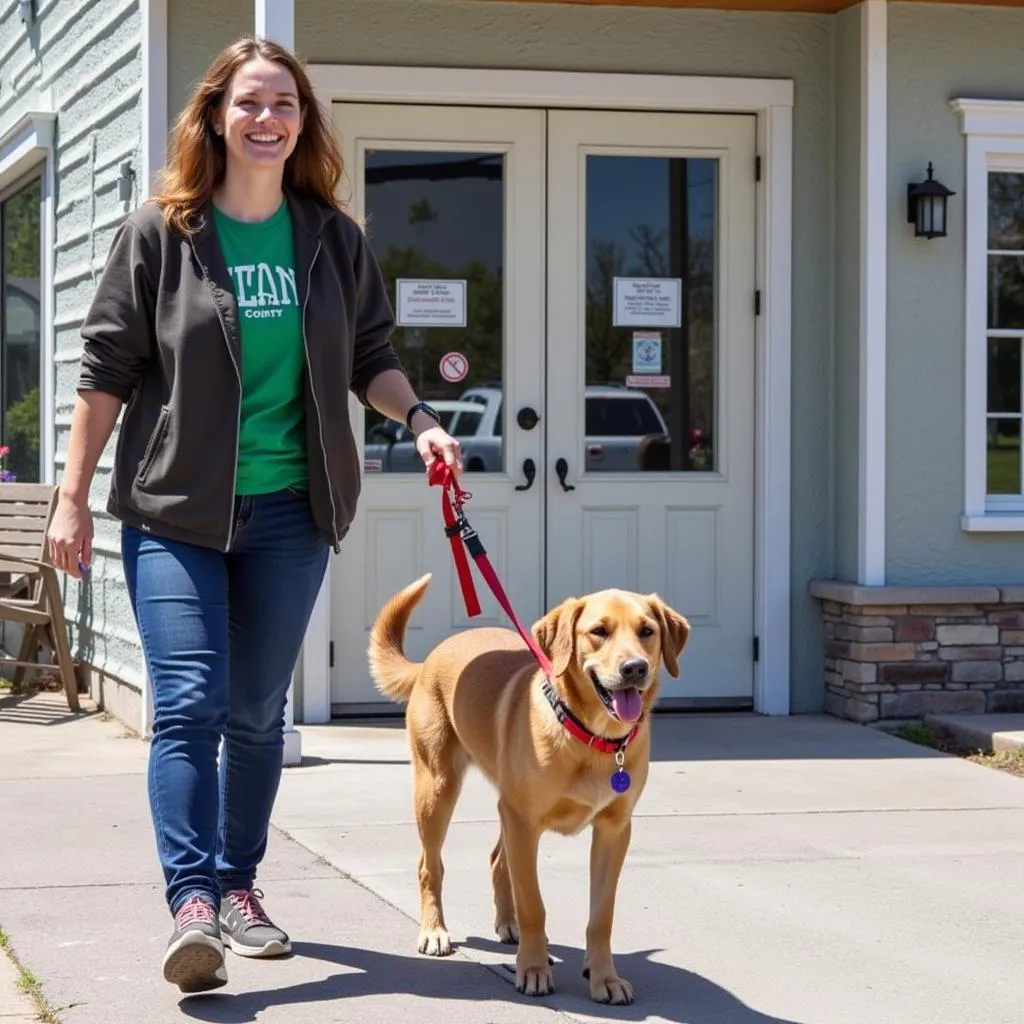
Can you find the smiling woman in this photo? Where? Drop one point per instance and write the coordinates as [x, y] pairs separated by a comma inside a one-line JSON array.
[[243, 293]]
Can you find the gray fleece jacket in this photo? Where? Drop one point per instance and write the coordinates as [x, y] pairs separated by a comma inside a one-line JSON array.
[[163, 335]]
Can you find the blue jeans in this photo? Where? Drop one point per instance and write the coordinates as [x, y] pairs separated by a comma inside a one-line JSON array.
[[221, 634]]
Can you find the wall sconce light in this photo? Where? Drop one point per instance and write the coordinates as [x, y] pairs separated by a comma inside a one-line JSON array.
[[124, 182], [26, 8], [926, 206]]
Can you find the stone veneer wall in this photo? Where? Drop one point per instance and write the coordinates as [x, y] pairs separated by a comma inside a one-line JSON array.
[[905, 652]]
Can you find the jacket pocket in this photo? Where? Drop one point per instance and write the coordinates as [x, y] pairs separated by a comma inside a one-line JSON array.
[[156, 441]]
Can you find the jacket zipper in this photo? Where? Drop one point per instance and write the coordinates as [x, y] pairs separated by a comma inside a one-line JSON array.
[[238, 374], [316, 404]]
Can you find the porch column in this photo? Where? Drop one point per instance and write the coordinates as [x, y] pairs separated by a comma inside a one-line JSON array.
[[874, 46], [275, 20]]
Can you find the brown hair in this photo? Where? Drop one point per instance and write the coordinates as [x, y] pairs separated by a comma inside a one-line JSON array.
[[197, 156]]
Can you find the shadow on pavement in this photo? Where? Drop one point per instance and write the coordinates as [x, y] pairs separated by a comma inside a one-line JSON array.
[[662, 991], [39, 709]]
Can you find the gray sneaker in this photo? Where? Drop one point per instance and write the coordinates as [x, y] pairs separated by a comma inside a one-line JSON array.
[[247, 929], [194, 960]]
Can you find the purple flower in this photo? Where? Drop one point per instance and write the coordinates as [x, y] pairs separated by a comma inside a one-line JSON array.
[[7, 477]]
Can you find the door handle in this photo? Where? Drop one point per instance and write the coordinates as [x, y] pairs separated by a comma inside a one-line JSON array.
[[562, 469], [527, 418], [529, 471]]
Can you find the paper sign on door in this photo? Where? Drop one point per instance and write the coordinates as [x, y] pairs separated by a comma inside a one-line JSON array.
[[647, 302]]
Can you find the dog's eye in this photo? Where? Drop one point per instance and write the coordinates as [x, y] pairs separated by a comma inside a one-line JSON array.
[[599, 631], [646, 631]]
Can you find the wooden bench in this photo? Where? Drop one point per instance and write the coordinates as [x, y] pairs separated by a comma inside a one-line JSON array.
[[29, 591]]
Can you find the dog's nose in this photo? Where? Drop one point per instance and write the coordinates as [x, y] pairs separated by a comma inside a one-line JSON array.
[[633, 671]]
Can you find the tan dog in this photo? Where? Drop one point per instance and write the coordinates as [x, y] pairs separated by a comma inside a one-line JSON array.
[[479, 698]]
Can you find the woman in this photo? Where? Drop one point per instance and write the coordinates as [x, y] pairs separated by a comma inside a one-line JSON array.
[[235, 308]]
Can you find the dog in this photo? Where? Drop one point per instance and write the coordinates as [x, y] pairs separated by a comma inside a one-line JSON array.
[[480, 698]]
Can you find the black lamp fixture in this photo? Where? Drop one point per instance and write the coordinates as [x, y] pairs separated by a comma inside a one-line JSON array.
[[926, 206]]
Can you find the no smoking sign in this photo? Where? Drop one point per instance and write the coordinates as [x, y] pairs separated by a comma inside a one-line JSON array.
[[454, 367]]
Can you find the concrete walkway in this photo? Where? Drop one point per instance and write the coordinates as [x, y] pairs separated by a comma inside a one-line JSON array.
[[783, 871]]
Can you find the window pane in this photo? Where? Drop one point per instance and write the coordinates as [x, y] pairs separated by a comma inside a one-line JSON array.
[[21, 331], [1005, 210], [651, 386], [1006, 292], [1004, 456], [1004, 375], [434, 215]]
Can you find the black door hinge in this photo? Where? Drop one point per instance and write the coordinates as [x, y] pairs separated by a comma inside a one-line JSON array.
[[757, 648], [330, 653], [757, 168], [757, 303]]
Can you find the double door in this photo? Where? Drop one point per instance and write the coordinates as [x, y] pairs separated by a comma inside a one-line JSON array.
[[574, 294]]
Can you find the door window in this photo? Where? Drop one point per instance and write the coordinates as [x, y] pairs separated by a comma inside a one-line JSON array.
[[650, 313], [439, 216]]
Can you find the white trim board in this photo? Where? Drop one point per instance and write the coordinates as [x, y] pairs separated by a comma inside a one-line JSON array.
[[874, 129], [771, 100], [994, 130], [26, 144]]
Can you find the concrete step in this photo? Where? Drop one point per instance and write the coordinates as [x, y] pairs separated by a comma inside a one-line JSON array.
[[986, 732]]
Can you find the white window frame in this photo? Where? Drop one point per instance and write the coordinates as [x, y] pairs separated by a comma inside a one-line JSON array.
[[994, 130], [26, 151]]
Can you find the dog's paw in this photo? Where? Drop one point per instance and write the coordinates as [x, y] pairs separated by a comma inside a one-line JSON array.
[[610, 990], [508, 932], [435, 942], [535, 981]]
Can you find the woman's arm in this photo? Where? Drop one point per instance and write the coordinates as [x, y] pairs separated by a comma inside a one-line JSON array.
[[92, 423], [391, 394], [71, 531]]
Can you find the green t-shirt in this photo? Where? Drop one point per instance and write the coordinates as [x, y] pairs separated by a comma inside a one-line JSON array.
[[272, 443]]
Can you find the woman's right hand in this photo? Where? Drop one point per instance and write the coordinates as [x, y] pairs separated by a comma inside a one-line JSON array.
[[70, 535]]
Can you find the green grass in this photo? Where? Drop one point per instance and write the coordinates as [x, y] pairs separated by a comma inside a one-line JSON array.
[[28, 984], [1011, 762], [1004, 470]]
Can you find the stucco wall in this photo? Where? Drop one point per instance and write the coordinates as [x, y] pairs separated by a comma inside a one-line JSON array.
[[607, 38], [83, 60], [937, 53]]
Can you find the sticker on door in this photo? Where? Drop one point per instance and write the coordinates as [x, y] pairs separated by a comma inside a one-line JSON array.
[[454, 367]]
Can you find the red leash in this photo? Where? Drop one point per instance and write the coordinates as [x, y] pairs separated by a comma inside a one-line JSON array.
[[459, 532]]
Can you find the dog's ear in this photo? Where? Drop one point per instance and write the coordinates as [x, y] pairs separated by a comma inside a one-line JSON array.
[[556, 633], [675, 631]]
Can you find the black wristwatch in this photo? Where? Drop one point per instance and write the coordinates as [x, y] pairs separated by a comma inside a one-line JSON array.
[[421, 407]]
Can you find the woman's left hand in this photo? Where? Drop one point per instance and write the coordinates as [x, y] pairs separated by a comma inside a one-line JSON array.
[[434, 442]]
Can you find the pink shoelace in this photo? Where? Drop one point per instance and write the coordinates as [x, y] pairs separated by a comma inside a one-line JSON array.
[[195, 910], [247, 903]]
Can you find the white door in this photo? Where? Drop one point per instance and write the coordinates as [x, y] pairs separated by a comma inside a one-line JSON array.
[[648, 413], [650, 393], [453, 195]]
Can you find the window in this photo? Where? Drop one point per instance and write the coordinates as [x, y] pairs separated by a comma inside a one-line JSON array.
[[21, 328], [994, 307]]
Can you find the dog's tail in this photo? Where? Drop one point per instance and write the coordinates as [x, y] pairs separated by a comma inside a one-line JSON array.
[[392, 673]]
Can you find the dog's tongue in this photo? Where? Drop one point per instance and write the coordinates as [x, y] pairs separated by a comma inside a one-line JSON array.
[[627, 704]]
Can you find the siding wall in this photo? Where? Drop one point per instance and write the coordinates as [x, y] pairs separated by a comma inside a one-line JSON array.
[[935, 55], [83, 59]]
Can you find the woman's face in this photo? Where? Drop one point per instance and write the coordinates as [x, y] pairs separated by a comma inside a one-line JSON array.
[[259, 116]]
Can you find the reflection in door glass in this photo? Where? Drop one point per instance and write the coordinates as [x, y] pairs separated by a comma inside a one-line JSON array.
[[440, 217], [650, 341]]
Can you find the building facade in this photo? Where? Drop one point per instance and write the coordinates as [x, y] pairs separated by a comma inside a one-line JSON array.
[[654, 264]]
